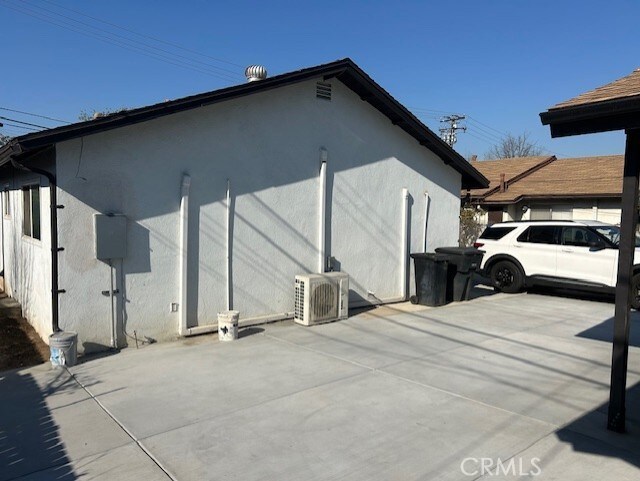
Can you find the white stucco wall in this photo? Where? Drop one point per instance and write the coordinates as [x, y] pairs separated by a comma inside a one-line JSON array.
[[27, 261], [267, 146]]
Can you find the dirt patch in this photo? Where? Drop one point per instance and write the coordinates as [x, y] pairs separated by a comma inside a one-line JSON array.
[[20, 345]]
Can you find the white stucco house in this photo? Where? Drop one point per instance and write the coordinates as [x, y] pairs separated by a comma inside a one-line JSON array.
[[221, 199]]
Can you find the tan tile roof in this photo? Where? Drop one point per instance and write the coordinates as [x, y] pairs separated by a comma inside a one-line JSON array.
[[628, 86], [576, 177], [493, 169]]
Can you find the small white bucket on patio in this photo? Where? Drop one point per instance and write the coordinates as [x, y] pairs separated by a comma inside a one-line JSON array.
[[228, 325], [64, 348]]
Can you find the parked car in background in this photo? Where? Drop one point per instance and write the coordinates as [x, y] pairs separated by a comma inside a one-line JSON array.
[[577, 254]]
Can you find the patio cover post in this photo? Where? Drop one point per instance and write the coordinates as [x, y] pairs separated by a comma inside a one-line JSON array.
[[616, 420]]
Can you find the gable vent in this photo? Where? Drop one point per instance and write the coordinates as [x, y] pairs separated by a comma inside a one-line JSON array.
[[323, 91]]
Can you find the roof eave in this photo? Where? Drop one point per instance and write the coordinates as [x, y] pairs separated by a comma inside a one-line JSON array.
[[345, 70], [615, 114]]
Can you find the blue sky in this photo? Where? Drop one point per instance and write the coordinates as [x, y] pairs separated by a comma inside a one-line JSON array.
[[499, 62]]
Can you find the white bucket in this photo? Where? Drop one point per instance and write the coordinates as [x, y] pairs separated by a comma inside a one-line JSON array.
[[64, 348], [228, 325]]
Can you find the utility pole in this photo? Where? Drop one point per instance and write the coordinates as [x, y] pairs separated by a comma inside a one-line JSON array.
[[448, 132]]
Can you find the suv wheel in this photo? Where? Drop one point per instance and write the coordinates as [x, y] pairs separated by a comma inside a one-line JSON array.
[[507, 277], [635, 292]]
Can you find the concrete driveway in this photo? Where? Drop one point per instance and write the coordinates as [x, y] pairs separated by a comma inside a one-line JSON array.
[[511, 383]]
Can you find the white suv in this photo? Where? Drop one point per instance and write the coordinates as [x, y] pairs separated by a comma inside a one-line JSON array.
[[582, 255]]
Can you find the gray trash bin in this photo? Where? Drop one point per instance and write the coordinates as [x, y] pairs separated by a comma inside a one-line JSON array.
[[463, 262], [431, 279]]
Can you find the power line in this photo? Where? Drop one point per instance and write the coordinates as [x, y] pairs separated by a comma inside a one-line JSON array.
[[133, 48], [232, 72], [485, 131], [21, 127], [503, 134], [142, 35], [430, 110], [34, 115], [23, 123]]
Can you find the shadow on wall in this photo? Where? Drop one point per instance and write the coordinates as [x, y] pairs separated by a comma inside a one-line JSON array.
[[144, 173], [29, 437]]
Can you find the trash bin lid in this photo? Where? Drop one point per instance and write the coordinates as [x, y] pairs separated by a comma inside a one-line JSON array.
[[428, 255], [459, 251]]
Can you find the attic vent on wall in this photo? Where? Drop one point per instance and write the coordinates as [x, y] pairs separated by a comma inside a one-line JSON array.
[[323, 91]]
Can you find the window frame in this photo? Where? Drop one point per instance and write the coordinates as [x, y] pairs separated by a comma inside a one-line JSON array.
[[584, 229], [28, 190], [524, 236]]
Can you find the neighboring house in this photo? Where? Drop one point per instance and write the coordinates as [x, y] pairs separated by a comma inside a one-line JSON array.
[[225, 197], [544, 188]]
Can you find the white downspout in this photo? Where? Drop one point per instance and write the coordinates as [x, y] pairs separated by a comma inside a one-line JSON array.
[[114, 335], [426, 220], [183, 243], [405, 244], [322, 208], [228, 246]]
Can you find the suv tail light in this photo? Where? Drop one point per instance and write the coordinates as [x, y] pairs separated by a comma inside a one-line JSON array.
[[477, 245]]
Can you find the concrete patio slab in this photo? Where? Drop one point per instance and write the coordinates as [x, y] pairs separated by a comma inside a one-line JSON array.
[[126, 463], [399, 392], [372, 426], [193, 380], [41, 428]]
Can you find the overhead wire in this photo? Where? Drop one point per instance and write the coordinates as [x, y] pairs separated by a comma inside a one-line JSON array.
[[142, 35], [21, 122], [34, 115], [483, 131], [21, 127], [124, 45], [234, 73]]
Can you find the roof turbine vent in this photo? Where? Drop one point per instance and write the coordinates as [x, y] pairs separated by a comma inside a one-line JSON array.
[[255, 72]]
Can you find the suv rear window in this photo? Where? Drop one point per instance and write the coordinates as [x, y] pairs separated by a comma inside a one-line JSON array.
[[495, 233], [540, 234]]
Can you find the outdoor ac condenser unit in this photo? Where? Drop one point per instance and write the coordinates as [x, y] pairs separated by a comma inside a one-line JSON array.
[[321, 298]]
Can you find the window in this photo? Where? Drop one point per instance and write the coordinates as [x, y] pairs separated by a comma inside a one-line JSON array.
[[540, 234], [578, 236], [495, 233], [6, 209], [31, 211]]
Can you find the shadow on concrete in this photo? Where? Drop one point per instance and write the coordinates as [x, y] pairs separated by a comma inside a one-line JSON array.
[[589, 434], [29, 437], [573, 294], [248, 331], [604, 330], [481, 287]]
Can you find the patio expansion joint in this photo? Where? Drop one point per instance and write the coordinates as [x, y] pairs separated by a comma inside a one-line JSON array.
[[411, 381], [126, 431], [140, 439]]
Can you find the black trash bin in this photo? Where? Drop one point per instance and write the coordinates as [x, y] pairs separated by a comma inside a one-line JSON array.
[[431, 279], [463, 263]]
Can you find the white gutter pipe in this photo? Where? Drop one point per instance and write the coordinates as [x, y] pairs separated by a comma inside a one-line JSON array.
[[183, 245], [322, 208], [114, 335], [228, 246], [426, 220], [405, 244]]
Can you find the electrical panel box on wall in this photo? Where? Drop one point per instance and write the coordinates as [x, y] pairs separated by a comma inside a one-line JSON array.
[[110, 233]]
